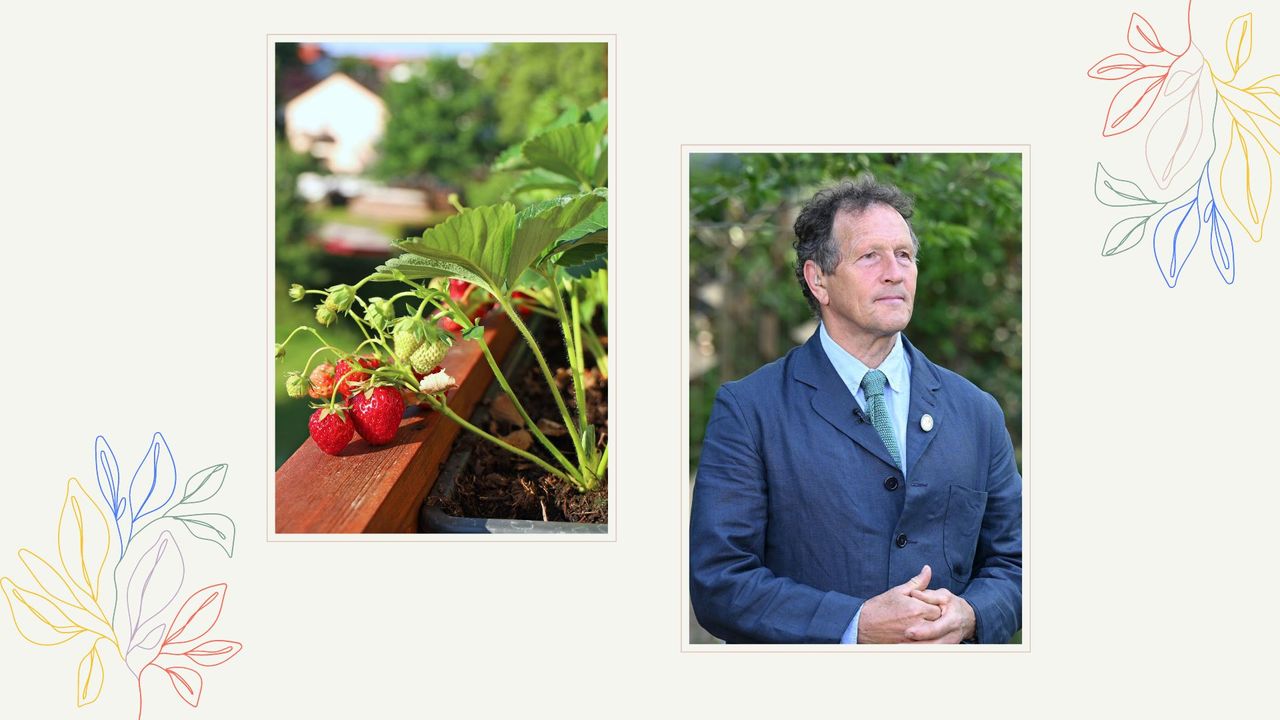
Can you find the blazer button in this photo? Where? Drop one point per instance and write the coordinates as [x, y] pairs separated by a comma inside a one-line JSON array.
[[891, 484], [901, 541]]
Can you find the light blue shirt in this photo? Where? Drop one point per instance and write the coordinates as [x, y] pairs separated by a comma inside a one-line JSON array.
[[897, 398]]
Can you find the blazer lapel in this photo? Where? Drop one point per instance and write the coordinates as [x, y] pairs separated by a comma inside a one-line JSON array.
[[832, 400], [925, 384]]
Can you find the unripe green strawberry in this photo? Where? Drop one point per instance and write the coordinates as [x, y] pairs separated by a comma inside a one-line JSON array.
[[326, 313], [428, 355], [295, 385], [296, 292], [379, 312], [410, 333], [341, 297]]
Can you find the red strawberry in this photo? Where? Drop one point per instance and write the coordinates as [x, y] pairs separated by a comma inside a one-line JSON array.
[[331, 429], [347, 385], [322, 382], [376, 414], [458, 289], [449, 326]]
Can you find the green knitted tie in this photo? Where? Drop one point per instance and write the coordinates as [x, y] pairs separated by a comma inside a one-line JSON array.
[[873, 386]]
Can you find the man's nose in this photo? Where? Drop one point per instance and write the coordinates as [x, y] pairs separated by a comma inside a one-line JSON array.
[[895, 273]]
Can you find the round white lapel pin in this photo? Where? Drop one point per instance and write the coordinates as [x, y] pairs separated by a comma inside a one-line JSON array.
[[926, 422]]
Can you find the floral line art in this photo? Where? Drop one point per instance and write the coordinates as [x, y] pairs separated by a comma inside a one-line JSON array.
[[71, 603], [1184, 135]]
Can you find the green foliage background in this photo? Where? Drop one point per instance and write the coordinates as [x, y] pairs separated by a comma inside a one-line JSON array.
[[968, 309]]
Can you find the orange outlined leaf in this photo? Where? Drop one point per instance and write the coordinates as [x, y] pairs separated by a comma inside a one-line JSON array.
[[198, 615], [214, 652], [1142, 36], [1240, 42], [83, 539], [1244, 181], [1132, 103], [1116, 67], [187, 682], [89, 677]]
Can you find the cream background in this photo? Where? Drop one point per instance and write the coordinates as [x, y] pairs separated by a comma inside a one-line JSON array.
[[134, 172]]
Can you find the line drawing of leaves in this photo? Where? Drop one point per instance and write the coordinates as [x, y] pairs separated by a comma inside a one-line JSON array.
[[214, 652], [145, 651], [86, 615], [1125, 235], [107, 470], [1248, 199], [1111, 190], [1116, 67], [1239, 42], [84, 539], [187, 682], [1170, 239], [36, 617], [156, 477], [1221, 246], [214, 527], [198, 615], [1132, 103], [1142, 36], [89, 677], [204, 484], [154, 584], [1175, 135]]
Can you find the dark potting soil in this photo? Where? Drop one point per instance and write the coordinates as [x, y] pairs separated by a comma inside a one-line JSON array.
[[496, 483]]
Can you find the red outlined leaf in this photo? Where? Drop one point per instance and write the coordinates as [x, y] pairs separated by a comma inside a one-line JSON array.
[[1240, 41], [197, 615], [1116, 67], [1142, 36], [1175, 137], [187, 682], [214, 652], [1132, 103]]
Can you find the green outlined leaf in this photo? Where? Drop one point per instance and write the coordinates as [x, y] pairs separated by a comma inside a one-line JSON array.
[[214, 527], [89, 677], [83, 539], [1240, 41], [1113, 191], [204, 484], [1244, 181], [1125, 235]]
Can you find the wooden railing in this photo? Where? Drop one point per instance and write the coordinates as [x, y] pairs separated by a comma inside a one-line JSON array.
[[370, 489]]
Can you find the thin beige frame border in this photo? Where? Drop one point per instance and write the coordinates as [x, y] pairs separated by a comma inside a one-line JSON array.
[[611, 40], [686, 149]]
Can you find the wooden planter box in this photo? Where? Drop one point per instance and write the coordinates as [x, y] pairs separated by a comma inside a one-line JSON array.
[[371, 489]]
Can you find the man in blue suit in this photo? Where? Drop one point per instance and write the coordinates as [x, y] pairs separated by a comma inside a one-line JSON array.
[[852, 491]]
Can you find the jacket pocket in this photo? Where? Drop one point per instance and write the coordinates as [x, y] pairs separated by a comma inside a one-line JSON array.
[[965, 508]]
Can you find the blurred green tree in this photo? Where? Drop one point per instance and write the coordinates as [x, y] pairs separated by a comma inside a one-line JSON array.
[[746, 306], [533, 83], [442, 122]]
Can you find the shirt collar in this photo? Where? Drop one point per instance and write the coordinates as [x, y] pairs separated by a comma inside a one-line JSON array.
[[895, 366]]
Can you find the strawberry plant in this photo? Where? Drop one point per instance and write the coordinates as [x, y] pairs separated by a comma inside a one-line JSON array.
[[547, 258]]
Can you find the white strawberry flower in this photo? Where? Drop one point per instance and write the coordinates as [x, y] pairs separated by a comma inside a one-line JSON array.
[[437, 382]]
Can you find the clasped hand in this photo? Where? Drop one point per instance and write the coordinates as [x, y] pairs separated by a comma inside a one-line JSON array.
[[911, 612]]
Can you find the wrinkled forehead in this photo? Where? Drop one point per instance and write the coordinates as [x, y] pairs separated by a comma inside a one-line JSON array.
[[876, 224]]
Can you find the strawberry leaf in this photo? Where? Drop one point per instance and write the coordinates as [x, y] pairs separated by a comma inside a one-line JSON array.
[[477, 240], [574, 151], [538, 230], [475, 332]]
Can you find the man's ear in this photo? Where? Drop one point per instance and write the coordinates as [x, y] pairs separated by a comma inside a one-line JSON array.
[[814, 279]]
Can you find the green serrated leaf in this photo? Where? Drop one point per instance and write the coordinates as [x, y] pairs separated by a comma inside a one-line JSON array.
[[475, 332], [214, 527], [584, 260], [539, 179], [599, 112], [414, 267], [539, 230], [477, 240], [601, 177], [510, 159], [574, 151], [204, 484]]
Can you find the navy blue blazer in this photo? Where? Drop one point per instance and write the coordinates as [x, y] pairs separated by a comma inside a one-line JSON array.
[[799, 514]]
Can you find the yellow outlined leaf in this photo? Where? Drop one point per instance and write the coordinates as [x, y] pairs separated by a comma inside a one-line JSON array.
[[1244, 181], [89, 677], [55, 588], [36, 617], [83, 539], [1240, 42]]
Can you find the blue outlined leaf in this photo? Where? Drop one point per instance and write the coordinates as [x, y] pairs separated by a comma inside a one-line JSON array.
[[1113, 191], [154, 481], [214, 527], [1175, 236], [1125, 235], [204, 484], [153, 585], [1214, 227]]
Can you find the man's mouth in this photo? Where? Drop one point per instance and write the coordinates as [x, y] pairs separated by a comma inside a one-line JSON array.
[[892, 299]]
